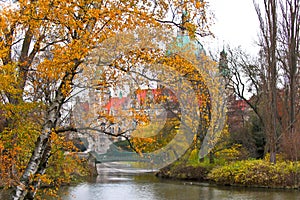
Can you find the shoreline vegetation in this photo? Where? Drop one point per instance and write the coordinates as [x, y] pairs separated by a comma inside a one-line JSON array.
[[251, 173], [242, 173]]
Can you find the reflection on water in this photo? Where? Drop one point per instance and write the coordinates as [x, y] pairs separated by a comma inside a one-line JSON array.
[[147, 187]]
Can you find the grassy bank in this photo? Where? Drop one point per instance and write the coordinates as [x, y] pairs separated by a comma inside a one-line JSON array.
[[186, 172], [258, 173], [248, 173]]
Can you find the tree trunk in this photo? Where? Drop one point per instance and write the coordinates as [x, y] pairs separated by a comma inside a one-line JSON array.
[[32, 167], [39, 158], [268, 28], [41, 170], [211, 157]]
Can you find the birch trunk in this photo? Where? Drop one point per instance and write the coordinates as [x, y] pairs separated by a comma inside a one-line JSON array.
[[40, 155], [36, 159]]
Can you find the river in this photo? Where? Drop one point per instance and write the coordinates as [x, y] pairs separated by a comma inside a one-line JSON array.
[[132, 184], [122, 185]]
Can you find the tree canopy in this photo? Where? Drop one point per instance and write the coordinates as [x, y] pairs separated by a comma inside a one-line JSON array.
[[44, 46]]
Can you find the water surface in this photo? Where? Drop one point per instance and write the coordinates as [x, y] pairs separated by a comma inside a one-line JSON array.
[[114, 186]]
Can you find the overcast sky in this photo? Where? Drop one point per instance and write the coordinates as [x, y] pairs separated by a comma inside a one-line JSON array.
[[236, 23]]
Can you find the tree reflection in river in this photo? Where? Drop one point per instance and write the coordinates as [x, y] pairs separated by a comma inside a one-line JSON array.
[[148, 187]]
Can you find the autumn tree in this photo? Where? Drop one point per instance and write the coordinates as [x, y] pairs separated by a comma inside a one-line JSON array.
[[288, 60], [270, 77], [190, 70], [262, 76], [43, 47]]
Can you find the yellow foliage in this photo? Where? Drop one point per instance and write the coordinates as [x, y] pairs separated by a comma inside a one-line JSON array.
[[258, 173], [43, 47]]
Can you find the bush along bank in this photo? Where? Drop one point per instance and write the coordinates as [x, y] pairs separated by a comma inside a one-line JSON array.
[[184, 172], [258, 173], [247, 173]]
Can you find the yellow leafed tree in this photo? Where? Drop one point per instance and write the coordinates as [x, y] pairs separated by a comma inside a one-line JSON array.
[[43, 45]]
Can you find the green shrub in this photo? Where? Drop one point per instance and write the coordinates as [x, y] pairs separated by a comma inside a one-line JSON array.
[[258, 173]]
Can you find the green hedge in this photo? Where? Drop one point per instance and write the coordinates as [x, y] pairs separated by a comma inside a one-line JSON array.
[[258, 173]]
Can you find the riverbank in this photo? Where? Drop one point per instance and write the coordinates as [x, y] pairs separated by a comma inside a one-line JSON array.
[[245, 173], [184, 172]]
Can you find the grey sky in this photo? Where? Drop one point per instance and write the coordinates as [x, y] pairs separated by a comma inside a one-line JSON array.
[[236, 23]]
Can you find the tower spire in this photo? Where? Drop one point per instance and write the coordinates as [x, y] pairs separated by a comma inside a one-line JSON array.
[[223, 63], [184, 17]]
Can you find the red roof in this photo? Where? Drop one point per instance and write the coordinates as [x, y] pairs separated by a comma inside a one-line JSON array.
[[156, 94], [241, 104], [116, 103]]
